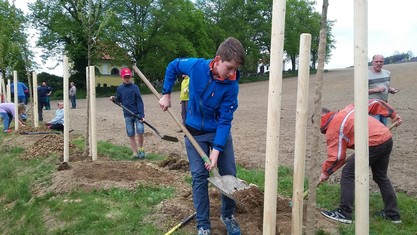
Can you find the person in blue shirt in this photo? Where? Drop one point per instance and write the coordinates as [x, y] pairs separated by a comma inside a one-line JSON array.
[[129, 96], [213, 91], [21, 89], [58, 122]]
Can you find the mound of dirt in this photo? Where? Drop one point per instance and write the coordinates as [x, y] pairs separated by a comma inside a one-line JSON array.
[[105, 174], [28, 129], [46, 145], [249, 216], [175, 162]]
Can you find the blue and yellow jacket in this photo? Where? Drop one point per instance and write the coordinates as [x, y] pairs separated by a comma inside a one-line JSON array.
[[212, 102]]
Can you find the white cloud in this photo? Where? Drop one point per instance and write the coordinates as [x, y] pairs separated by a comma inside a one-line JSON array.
[[392, 26]]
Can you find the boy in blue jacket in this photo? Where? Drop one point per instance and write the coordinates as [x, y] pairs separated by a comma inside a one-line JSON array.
[[213, 91], [128, 95]]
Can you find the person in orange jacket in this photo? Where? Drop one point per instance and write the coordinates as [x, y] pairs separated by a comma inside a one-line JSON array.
[[339, 130]]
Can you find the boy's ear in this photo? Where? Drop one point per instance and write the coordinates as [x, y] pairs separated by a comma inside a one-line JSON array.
[[217, 58]]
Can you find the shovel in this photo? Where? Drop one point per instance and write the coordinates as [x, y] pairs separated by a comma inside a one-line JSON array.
[[42, 132], [182, 223], [227, 184], [164, 137]]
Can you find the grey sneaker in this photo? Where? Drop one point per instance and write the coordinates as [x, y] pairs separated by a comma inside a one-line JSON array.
[[202, 231], [141, 153], [135, 156], [394, 219], [338, 216], [232, 226]]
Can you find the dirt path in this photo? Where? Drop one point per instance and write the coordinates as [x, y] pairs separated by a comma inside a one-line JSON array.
[[249, 125]]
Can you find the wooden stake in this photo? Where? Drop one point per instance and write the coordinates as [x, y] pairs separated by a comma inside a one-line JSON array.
[[66, 109], [300, 134], [16, 101], [35, 100], [361, 117], [274, 115], [93, 124]]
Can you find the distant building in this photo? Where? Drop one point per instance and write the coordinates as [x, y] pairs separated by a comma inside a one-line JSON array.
[[107, 72], [263, 68]]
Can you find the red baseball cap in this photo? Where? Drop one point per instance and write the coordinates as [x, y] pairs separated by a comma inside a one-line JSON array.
[[125, 72]]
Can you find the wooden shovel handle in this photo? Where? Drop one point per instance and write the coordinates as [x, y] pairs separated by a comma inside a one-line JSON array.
[[180, 124], [393, 125]]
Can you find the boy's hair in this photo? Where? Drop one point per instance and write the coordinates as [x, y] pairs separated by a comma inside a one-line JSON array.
[[21, 108], [324, 111], [231, 49]]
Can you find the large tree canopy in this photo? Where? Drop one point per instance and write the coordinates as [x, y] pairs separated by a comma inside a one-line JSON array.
[[151, 33], [14, 53], [155, 32], [69, 26], [301, 18]]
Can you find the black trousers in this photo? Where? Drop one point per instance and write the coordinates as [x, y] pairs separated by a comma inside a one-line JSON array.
[[58, 127], [378, 161]]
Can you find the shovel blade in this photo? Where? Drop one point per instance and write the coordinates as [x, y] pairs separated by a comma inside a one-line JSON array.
[[228, 184], [169, 138]]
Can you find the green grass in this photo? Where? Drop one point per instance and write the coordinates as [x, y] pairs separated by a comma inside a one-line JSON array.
[[114, 211], [115, 152], [328, 196], [120, 211]]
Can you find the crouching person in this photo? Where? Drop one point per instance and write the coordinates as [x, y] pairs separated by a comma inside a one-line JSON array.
[[58, 122]]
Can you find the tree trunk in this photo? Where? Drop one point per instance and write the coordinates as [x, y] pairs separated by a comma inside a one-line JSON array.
[[314, 167], [89, 48]]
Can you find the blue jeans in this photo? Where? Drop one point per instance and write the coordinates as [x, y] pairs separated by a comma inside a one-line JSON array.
[[6, 120], [21, 99], [131, 122], [73, 101], [227, 166]]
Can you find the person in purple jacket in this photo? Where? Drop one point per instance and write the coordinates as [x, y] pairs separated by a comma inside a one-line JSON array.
[[129, 96], [7, 113], [213, 91]]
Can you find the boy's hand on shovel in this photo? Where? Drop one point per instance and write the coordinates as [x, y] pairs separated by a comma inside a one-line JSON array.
[[323, 177], [165, 102], [214, 156], [396, 122]]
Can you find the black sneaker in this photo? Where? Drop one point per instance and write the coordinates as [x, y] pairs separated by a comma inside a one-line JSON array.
[[338, 216], [396, 219]]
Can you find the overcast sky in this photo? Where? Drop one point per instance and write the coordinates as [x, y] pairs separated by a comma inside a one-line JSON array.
[[392, 27]]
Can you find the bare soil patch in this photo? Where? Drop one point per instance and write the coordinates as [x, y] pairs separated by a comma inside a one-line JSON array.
[[249, 132]]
